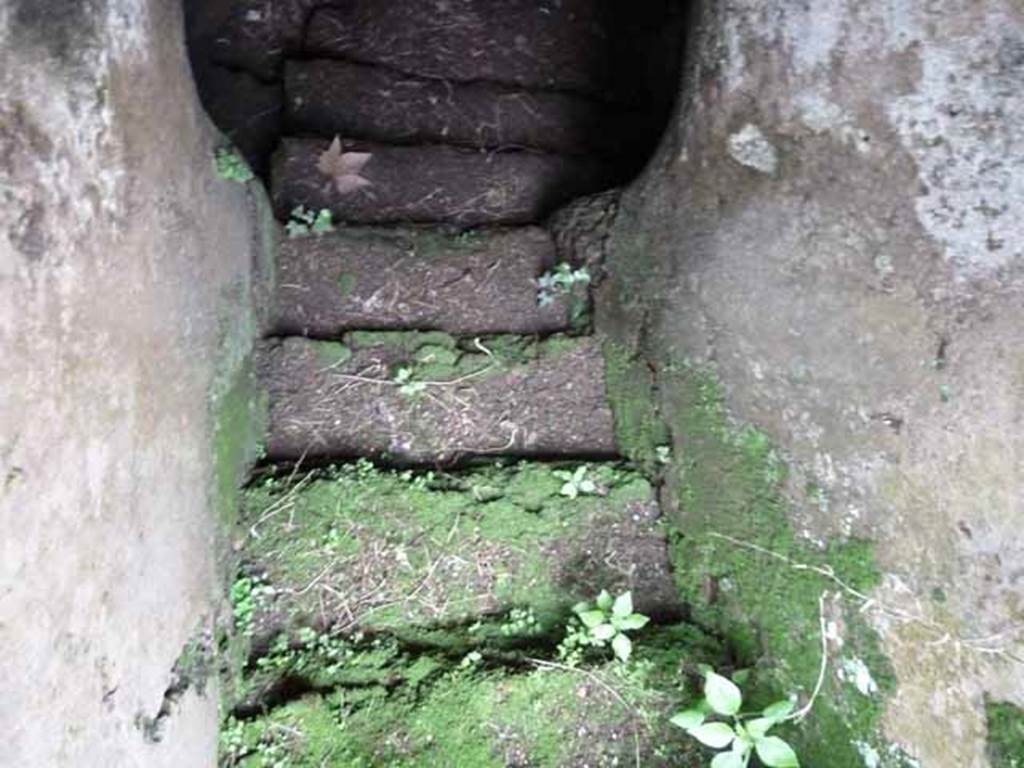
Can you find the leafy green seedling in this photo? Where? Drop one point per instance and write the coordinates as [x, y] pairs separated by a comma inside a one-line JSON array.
[[576, 483], [302, 222], [247, 595], [407, 387], [600, 624], [231, 166], [560, 282], [743, 735]]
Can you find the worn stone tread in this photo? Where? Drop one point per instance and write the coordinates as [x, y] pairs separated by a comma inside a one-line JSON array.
[[329, 97], [477, 282], [505, 396], [606, 48], [390, 552], [435, 183]]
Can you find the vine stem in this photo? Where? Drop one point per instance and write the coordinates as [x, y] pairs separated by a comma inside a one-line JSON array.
[[979, 644], [805, 710]]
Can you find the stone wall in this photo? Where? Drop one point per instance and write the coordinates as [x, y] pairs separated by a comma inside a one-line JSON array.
[[126, 281], [834, 227]]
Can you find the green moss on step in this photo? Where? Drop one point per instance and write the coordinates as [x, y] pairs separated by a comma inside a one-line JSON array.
[[431, 356], [639, 430], [1005, 734], [474, 716], [394, 550], [430, 244], [346, 284], [408, 341], [333, 353], [727, 483]]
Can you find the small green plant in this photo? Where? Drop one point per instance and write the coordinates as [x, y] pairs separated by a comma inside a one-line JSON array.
[[315, 651], [246, 595], [231, 166], [520, 622], [303, 222], [743, 735], [600, 624], [232, 741], [575, 484], [471, 660], [560, 282], [407, 385]]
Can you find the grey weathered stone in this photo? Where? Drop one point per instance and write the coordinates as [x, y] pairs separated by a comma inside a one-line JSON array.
[[125, 308], [835, 224]]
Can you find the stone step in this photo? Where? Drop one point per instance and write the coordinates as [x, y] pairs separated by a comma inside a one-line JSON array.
[[361, 278], [423, 398], [600, 47], [434, 184], [389, 551], [329, 97], [256, 35]]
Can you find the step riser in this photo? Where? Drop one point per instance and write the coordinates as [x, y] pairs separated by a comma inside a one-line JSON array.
[[552, 406], [586, 46], [479, 283], [329, 98], [431, 184]]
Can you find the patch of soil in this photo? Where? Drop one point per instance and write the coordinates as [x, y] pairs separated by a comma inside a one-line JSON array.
[[480, 282], [550, 405], [435, 183]]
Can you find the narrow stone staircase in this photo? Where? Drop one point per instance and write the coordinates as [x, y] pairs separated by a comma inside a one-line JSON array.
[[443, 473]]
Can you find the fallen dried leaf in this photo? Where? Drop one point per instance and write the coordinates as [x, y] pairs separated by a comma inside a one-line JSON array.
[[343, 168]]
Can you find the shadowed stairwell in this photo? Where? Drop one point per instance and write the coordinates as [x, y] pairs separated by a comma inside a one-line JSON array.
[[443, 173]]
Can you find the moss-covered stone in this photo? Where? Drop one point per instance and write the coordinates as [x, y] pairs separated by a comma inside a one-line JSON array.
[[404, 619], [639, 430], [736, 558], [239, 419], [356, 547], [476, 715], [1005, 734]]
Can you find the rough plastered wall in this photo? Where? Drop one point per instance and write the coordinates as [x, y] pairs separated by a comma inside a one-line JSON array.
[[835, 226], [125, 275]]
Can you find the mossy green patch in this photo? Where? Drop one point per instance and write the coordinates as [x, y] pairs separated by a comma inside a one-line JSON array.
[[1005, 734], [734, 553], [407, 341], [239, 419], [474, 716], [639, 430], [333, 353], [414, 619], [346, 284], [394, 550]]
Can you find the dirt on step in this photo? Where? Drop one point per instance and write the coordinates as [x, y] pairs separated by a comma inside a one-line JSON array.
[[477, 282], [418, 398], [328, 98], [435, 183]]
